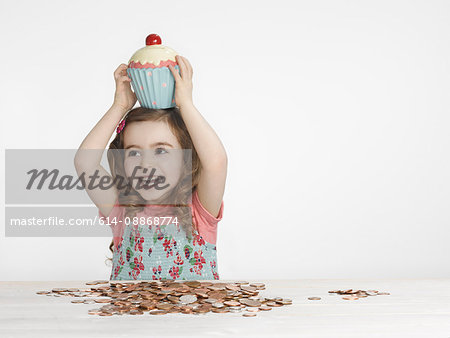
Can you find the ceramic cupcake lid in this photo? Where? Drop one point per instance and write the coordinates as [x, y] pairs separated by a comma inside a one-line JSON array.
[[153, 55]]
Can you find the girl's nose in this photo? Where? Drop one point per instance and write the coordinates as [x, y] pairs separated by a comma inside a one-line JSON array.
[[147, 161]]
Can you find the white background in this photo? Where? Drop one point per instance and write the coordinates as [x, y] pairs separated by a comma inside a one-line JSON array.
[[334, 115]]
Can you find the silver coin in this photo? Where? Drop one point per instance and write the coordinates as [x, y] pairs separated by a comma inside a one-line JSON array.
[[188, 299]]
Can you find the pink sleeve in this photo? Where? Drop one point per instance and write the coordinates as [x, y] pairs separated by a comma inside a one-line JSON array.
[[206, 223], [116, 214]]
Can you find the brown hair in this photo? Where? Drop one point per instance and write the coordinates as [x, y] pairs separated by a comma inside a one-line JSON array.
[[133, 201]]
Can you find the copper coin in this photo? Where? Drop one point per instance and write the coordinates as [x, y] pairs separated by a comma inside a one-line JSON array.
[[314, 298], [231, 303], [232, 287], [78, 301], [273, 304], [249, 314], [218, 294], [158, 312], [94, 311], [258, 285], [91, 283], [193, 284], [250, 302], [285, 301], [59, 290], [136, 312], [102, 300], [248, 288], [350, 298], [164, 306], [265, 308]]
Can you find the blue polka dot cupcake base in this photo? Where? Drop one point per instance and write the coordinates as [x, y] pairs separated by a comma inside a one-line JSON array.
[[154, 87]]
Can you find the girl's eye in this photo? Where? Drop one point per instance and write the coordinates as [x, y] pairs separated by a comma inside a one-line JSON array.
[[164, 150], [132, 152]]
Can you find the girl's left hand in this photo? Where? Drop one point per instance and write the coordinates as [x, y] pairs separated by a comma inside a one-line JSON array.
[[183, 82]]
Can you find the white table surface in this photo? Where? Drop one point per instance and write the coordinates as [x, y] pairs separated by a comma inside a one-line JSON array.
[[414, 308]]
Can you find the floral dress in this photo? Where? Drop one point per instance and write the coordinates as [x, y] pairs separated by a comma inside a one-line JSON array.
[[155, 252], [163, 252]]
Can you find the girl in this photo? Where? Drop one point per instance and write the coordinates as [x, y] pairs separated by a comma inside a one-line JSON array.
[[176, 147]]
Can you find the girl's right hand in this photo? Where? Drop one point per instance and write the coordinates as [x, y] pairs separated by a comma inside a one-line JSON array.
[[124, 97]]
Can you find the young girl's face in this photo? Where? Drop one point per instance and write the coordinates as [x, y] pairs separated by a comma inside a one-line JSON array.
[[151, 145]]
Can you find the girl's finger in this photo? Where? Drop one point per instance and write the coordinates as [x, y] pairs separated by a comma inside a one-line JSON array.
[[123, 79], [189, 66], [182, 66], [119, 70], [175, 73]]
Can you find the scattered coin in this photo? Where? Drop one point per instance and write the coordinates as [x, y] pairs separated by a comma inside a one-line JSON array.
[[102, 300], [265, 308], [273, 304], [59, 290], [231, 303], [249, 314], [94, 311], [314, 298], [78, 301], [352, 294], [285, 301], [350, 298]]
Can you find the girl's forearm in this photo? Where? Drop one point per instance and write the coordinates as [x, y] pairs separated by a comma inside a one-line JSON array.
[[99, 137], [207, 144]]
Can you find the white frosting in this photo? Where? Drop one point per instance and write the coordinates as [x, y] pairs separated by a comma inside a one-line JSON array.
[[154, 54]]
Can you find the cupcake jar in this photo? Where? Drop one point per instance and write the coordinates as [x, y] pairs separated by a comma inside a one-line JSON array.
[[151, 78]]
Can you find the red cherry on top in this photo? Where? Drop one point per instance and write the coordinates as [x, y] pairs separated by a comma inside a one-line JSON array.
[[153, 39]]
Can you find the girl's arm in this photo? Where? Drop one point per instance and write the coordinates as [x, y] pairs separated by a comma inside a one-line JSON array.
[[88, 157], [210, 150]]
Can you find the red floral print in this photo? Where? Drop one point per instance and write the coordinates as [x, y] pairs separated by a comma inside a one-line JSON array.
[[197, 269], [138, 244], [134, 273], [138, 265], [157, 272], [199, 260], [178, 260], [174, 272], [198, 239], [168, 246]]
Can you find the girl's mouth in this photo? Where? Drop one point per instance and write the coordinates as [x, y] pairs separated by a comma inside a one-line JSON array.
[[149, 183]]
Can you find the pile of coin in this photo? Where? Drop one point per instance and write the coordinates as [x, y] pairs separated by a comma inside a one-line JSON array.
[[167, 296]]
